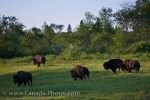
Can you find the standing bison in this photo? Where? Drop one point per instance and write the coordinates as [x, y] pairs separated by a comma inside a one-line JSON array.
[[130, 65], [79, 72], [23, 77], [39, 59], [113, 64]]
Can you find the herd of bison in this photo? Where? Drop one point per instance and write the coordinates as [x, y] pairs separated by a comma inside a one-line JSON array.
[[78, 71]]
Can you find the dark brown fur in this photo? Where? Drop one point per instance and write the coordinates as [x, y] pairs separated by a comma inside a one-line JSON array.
[[23, 77], [113, 64], [79, 72], [130, 65], [39, 59]]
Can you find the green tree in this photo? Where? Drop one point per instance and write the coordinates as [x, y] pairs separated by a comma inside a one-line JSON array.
[[69, 29], [105, 20], [48, 32], [11, 33], [36, 31], [97, 27], [59, 28], [135, 18], [118, 41], [85, 31]]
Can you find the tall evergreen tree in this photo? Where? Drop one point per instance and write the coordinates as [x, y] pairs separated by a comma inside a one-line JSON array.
[[69, 29]]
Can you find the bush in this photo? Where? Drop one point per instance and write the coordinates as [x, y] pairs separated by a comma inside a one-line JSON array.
[[140, 47]]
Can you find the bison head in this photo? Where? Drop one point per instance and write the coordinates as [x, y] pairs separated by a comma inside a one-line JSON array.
[[106, 65], [72, 73], [34, 61], [15, 79]]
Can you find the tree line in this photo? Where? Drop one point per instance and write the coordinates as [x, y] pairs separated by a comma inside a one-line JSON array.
[[125, 31]]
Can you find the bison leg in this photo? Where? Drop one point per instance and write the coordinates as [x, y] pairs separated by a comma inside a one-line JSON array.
[[28, 82], [81, 77], [19, 83], [25, 83], [88, 76], [75, 78], [124, 68], [38, 64], [137, 70], [114, 70], [119, 69], [84, 76], [129, 70], [31, 82]]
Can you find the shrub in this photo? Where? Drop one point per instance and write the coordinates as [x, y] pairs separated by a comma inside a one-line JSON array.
[[140, 47]]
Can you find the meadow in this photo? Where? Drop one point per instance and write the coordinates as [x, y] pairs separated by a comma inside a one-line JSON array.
[[53, 81]]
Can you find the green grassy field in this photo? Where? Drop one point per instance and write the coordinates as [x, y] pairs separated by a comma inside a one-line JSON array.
[[55, 77]]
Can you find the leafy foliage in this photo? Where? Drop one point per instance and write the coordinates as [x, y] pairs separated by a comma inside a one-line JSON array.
[[142, 46], [127, 30]]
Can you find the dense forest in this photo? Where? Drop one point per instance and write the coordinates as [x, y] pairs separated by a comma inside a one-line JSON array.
[[121, 32]]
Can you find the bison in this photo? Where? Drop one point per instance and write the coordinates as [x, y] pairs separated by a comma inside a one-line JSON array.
[[113, 64], [39, 59], [130, 65], [80, 72], [23, 77]]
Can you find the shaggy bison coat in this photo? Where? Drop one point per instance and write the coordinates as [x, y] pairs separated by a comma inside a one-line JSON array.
[[113, 64], [39, 59], [23, 77], [130, 65], [79, 72]]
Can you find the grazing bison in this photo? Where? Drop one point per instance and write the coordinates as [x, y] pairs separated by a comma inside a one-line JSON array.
[[23, 77], [79, 72], [113, 64], [130, 65], [39, 59]]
